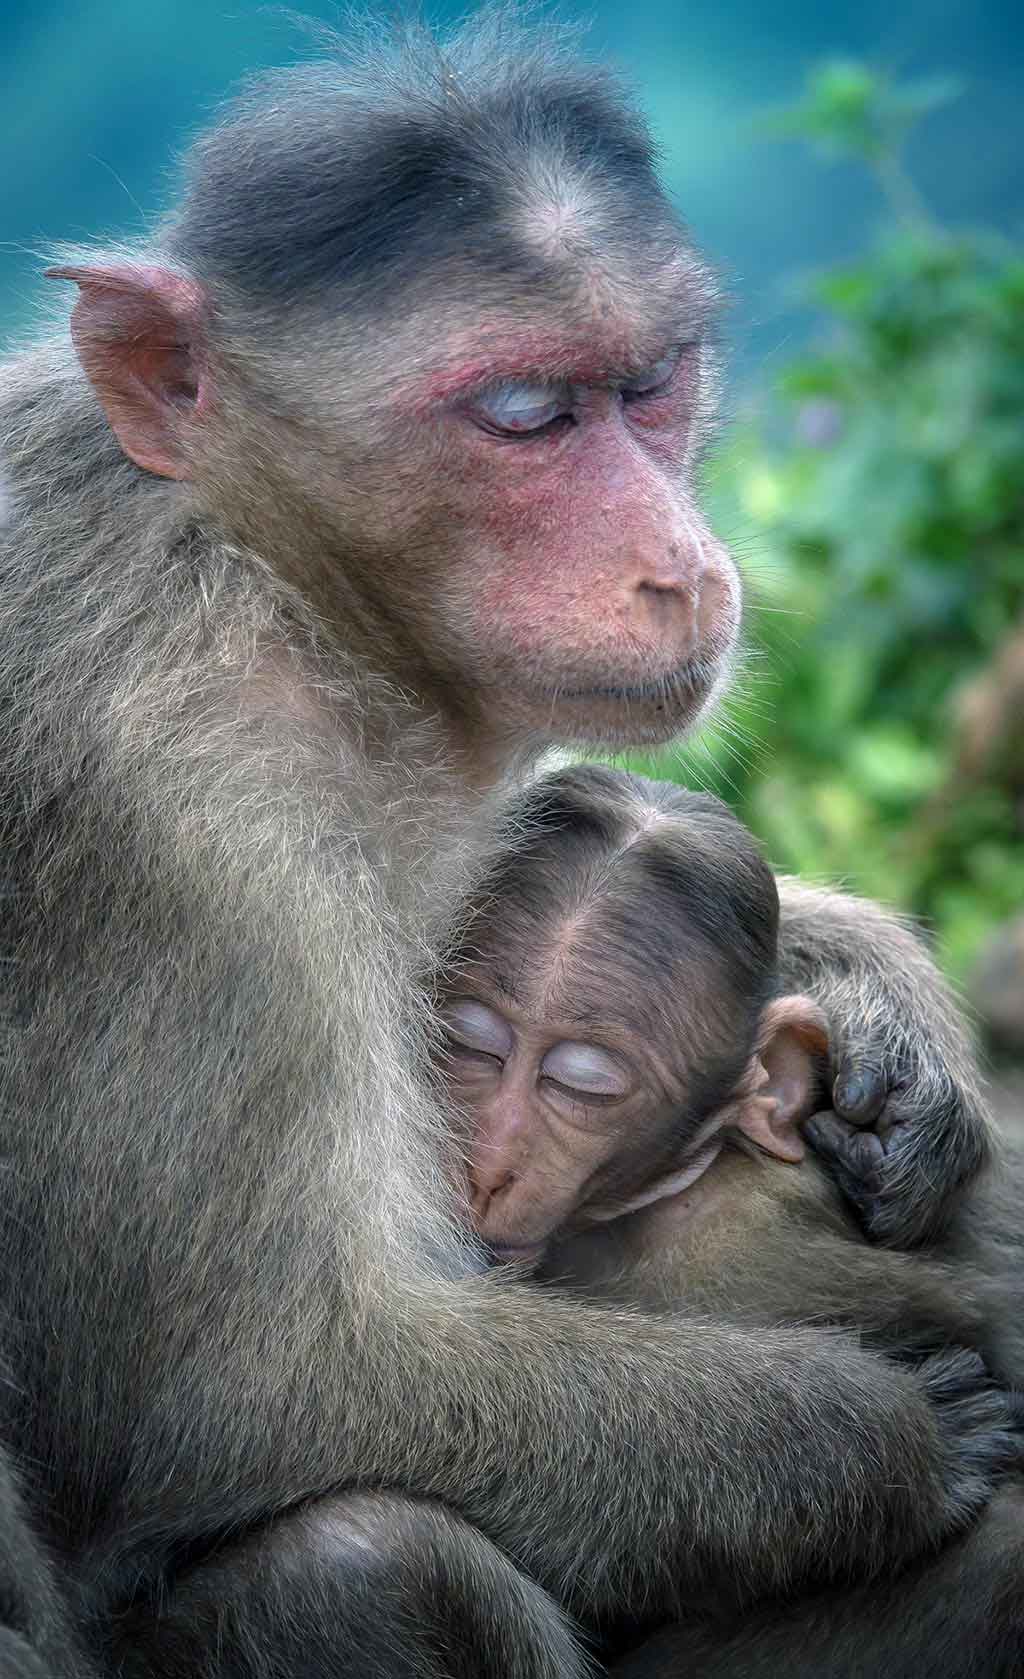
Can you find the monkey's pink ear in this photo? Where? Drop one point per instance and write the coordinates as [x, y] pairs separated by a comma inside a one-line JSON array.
[[138, 333], [791, 1040]]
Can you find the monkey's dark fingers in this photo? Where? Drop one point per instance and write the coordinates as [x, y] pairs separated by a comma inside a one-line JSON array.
[[903, 1135], [983, 1425], [855, 1158], [860, 1090]]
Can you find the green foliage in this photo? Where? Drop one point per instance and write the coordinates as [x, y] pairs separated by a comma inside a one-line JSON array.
[[852, 111], [880, 502]]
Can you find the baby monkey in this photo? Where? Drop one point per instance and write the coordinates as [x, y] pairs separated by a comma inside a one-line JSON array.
[[611, 1013], [633, 1078]]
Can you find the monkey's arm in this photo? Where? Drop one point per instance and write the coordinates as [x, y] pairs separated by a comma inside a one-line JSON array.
[[958, 1616], [767, 1243], [771, 1243], [294, 1322], [909, 1128]]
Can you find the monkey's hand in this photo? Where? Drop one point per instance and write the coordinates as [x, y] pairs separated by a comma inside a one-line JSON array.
[[908, 1128], [983, 1426]]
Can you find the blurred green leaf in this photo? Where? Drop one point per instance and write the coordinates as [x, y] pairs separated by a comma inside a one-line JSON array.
[[851, 110]]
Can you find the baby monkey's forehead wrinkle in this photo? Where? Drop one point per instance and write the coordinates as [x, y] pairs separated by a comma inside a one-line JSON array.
[[505, 985], [582, 1015]]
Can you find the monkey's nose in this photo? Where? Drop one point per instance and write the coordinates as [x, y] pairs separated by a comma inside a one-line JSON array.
[[657, 594], [659, 590], [671, 568], [486, 1187]]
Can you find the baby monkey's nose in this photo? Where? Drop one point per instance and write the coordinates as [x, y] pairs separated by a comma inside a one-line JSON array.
[[487, 1185]]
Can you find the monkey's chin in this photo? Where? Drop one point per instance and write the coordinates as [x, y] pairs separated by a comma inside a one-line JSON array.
[[629, 713]]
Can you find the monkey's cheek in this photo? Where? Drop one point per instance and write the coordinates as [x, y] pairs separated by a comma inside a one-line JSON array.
[[720, 605]]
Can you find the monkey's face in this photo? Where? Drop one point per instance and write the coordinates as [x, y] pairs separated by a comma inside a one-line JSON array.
[[494, 497], [580, 594], [514, 505], [563, 1125]]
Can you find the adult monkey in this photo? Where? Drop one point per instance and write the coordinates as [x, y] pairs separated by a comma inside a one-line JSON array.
[[276, 617]]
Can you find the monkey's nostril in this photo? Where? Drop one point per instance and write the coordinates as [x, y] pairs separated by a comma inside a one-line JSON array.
[[665, 590], [486, 1192], [501, 1189]]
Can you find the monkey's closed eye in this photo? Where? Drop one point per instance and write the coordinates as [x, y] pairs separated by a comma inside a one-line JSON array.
[[583, 1098], [520, 409], [585, 1072], [466, 1057], [659, 378], [471, 1028]]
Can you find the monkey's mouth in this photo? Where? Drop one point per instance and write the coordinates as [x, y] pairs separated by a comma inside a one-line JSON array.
[[644, 691], [687, 682], [631, 713]]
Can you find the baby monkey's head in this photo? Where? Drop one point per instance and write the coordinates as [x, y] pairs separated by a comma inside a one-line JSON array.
[[611, 1008]]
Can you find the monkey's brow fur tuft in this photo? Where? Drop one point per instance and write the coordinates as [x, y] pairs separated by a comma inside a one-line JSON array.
[[423, 153]]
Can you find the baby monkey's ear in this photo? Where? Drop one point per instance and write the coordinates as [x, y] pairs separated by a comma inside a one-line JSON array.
[[782, 1079]]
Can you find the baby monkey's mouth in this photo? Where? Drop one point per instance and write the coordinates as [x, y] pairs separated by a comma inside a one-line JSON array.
[[512, 1253]]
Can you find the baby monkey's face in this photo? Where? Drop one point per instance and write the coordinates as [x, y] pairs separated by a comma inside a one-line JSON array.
[[563, 1117], [574, 1124]]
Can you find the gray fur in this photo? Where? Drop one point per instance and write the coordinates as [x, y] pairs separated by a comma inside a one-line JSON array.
[[959, 1616], [780, 1248]]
